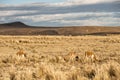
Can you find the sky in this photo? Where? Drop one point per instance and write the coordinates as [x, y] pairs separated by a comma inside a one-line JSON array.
[[28, 1], [61, 12]]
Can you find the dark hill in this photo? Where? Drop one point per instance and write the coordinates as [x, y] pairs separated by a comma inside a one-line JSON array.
[[14, 24], [18, 28]]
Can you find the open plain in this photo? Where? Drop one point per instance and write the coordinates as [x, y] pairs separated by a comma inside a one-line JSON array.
[[44, 57]]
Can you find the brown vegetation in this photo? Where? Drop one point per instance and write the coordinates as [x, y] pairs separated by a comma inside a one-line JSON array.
[[59, 57], [71, 57], [18, 28]]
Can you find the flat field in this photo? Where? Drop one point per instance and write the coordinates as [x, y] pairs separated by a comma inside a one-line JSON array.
[[45, 58]]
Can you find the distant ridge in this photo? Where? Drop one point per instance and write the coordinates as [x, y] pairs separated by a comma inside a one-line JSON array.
[[19, 28], [14, 24]]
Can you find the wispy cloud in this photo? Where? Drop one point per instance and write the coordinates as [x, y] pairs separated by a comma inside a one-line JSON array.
[[71, 12], [14, 12], [82, 2]]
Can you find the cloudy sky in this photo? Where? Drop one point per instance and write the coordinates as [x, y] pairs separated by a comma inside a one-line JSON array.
[[61, 12]]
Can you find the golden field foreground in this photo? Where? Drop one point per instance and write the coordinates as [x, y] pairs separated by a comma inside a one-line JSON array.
[[46, 57]]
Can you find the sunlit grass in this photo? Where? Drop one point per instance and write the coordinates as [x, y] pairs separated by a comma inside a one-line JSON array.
[[59, 58]]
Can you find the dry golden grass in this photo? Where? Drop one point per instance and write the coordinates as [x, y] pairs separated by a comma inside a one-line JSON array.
[[71, 57], [50, 58]]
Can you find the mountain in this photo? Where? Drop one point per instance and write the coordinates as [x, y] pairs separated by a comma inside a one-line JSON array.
[[14, 25], [19, 28]]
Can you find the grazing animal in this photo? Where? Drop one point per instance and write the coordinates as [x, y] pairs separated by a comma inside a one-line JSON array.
[[71, 56], [21, 53], [90, 55], [20, 56]]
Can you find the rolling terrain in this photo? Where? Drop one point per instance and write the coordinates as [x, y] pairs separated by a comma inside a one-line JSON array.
[[18, 28], [39, 55]]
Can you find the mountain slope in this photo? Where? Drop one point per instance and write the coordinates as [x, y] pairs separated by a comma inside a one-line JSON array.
[[18, 28]]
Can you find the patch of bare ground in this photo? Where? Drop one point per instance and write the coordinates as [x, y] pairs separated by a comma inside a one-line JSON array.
[[59, 57]]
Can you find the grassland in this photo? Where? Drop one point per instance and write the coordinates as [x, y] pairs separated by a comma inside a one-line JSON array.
[[44, 58]]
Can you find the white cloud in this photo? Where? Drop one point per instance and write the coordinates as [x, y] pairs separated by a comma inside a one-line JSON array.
[[81, 2], [90, 1], [14, 12], [64, 13], [50, 17], [109, 21], [93, 19]]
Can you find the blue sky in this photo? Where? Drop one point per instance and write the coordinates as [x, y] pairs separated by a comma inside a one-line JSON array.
[[28, 1], [61, 12]]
